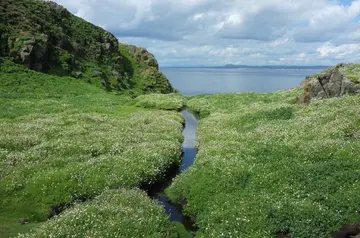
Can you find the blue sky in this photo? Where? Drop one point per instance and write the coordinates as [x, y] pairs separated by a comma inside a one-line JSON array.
[[213, 32]]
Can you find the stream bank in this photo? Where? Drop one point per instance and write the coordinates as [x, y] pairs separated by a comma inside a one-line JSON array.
[[189, 151]]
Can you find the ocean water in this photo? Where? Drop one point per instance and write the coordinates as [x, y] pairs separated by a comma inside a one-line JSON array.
[[192, 81]]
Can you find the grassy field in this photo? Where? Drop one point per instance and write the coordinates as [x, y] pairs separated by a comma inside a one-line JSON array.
[[63, 140], [268, 167]]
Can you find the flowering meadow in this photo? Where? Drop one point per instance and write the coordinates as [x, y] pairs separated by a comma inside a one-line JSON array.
[[115, 213], [268, 167], [63, 141], [73, 157], [173, 101]]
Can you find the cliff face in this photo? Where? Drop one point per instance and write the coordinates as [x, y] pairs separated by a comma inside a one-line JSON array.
[[144, 70], [46, 37]]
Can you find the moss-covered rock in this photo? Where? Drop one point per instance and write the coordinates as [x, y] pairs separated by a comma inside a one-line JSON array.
[[141, 55], [149, 79], [143, 68]]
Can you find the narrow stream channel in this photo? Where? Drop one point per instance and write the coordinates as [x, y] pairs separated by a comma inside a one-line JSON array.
[[189, 152]]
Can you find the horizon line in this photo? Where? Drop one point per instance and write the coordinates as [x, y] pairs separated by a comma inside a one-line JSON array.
[[245, 66]]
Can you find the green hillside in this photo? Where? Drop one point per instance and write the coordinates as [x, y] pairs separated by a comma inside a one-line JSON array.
[[46, 37]]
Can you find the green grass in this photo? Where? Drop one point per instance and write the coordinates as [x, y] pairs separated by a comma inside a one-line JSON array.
[[62, 139], [267, 166], [115, 213], [352, 72], [161, 101]]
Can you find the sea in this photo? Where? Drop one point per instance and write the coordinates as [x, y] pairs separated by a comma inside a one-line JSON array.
[[193, 81]]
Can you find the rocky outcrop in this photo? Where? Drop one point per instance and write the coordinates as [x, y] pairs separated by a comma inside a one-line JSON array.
[[29, 50], [142, 56], [149, 79], [145, 70], [327, 84]]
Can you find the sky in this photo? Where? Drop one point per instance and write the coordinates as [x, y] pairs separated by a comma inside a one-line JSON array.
[[219, 32]]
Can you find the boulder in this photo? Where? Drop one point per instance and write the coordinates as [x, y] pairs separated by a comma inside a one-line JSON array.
[[332, 83], [31, 52]]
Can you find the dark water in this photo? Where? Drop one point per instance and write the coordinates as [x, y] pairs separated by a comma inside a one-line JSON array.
[[189, 152], [189, 144], [192, 81]]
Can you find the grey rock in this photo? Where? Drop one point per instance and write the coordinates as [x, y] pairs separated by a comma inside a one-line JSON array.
[[107, 46], [348, 87], [333, 87], [316, 89], [328, 85], [78, 74], [25, 54]]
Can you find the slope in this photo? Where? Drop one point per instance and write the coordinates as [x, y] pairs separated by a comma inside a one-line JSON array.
[[46, 37]]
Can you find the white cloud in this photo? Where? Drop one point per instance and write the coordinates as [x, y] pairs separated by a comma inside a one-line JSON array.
[[234, 31], [339, 51]]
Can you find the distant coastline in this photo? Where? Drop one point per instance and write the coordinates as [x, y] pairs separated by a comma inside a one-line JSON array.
[[230, 66]]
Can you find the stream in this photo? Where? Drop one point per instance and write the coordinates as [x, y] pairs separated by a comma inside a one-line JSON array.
[[189, 152]]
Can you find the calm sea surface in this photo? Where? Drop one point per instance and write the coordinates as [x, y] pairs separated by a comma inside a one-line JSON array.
[[191, 81]]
